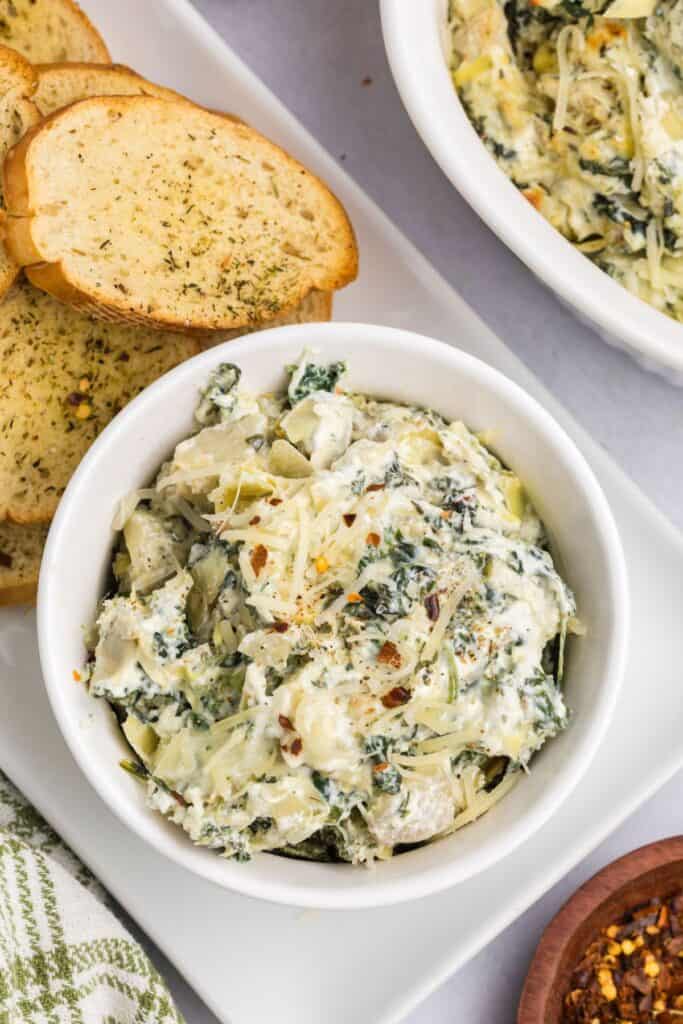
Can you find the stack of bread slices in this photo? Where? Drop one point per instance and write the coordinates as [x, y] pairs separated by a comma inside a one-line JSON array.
[[136, 227]]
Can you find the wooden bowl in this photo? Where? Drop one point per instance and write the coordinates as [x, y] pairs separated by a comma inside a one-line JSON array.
[[653, 870]]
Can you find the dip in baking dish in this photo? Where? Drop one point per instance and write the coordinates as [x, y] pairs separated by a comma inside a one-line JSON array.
[[336, 630], [581, 104]]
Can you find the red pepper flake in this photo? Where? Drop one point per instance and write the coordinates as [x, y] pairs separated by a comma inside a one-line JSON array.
[[389, 655], [255, 520], [374, 487], [280, 627], [297, 747], [632, 970], [5, 560], [381, 767], [76, 676], [275, 501], [432, 606], [534, 196], [354, 598], [373, 539], [349, 518], [396, 697], [259, 557], [367, 80], [285, 723]]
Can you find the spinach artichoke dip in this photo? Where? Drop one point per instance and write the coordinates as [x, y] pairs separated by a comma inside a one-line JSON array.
[[336, 630], [581, 103]]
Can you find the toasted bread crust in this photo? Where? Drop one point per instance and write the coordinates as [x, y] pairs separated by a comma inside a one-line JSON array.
[[20, 69], [21, 550], [9, 273], [62, 279], [48, 277], [15, 180], [18, 113], [23, 594]]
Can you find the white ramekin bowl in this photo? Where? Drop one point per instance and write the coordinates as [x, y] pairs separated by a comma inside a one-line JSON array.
[[417, 47], [402, 366]]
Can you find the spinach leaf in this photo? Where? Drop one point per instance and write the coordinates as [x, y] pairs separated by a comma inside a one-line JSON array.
[[314, 378], [378, 746], [218, 397], [617, 167], [387, 778], [616, 211], [341, 803]]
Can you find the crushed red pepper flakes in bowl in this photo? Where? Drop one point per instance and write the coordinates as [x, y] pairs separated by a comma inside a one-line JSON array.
[[632, 973]]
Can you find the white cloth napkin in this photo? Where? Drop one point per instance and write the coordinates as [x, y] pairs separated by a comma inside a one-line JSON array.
[[64, 957]]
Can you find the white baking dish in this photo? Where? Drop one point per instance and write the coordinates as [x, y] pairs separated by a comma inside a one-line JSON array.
[[417, 46]]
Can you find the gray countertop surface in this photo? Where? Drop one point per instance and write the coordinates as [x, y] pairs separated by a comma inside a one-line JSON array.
[[316, 55]]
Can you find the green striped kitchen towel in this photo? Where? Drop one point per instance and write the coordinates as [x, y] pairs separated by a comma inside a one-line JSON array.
[[64, 957]]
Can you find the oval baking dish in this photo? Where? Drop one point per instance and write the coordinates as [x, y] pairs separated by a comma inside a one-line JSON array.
[[417, 47]]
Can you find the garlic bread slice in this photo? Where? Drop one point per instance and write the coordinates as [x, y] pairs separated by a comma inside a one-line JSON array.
[[162, 213], [50, 30], [64, 376]]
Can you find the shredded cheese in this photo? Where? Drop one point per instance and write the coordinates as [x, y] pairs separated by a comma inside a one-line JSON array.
[[320, 650], [566, 36]]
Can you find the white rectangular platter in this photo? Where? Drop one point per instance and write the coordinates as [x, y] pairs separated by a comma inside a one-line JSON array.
[[251, 961]]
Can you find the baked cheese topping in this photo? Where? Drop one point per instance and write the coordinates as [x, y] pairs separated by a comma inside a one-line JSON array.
[[337, 630], [581, 103]]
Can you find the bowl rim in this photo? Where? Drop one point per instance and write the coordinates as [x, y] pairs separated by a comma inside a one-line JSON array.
[[439, 118], [370, 893], [598, 890]]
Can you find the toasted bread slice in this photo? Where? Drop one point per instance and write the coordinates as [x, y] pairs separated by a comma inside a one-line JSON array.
[[59, 85], [64, 376], [315, 308], [162, 213], [18, 113], [50, 30], [21, 550], [64, 83]]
